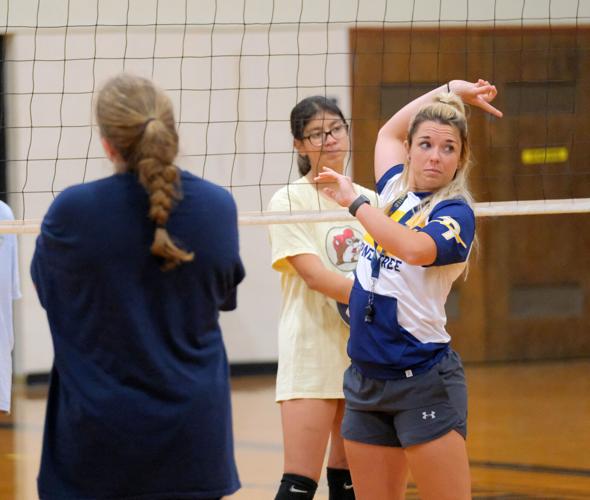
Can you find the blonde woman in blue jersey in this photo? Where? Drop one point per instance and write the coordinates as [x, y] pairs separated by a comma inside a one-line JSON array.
[[406, 400]]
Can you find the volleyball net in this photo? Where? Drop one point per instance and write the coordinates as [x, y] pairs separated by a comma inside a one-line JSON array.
[[235, 68]]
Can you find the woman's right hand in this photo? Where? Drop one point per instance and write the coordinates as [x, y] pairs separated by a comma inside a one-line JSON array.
[[340, 190]]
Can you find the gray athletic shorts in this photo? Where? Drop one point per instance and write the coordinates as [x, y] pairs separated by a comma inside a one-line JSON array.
[[409, 411]]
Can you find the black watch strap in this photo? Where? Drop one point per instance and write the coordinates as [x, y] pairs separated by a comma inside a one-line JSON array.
[[354, 206]]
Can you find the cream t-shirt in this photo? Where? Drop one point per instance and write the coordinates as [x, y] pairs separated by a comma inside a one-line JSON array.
[[312, 335]]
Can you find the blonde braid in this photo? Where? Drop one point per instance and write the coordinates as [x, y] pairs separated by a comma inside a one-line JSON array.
[[137, 120]]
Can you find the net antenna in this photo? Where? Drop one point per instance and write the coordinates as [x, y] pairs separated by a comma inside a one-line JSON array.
[[234, 71]]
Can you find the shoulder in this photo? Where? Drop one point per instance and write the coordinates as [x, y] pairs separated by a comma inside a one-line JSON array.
[[453, 217], [78, 207], [5, 212], [193, 185], [390, 176], [279, 200], [71, 199], [455, 206], [80, 196], [452, 227], [291, 197]]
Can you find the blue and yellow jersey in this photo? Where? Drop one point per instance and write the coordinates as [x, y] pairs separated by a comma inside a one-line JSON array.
[[408, 327]]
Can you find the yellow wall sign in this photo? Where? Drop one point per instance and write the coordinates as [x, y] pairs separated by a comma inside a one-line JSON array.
[[535, 156]]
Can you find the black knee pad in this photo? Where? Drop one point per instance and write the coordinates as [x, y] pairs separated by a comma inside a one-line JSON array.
[[296, 487], [340, 484]]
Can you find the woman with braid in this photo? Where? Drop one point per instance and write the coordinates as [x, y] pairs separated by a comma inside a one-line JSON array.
[[133, 270]]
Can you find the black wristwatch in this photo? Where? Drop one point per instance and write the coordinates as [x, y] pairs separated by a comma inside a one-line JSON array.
[[354, 206]]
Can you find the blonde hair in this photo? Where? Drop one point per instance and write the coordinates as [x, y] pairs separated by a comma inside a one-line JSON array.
[[446, 109], [137, 120]]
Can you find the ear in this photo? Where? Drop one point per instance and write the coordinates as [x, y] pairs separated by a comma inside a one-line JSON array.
[[407, 148], [110, 151], [299, 146]]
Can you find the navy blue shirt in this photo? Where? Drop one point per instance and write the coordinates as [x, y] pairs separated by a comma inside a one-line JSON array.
[[139, 400]]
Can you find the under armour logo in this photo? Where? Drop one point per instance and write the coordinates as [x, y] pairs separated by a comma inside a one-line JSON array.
[[426, 415]]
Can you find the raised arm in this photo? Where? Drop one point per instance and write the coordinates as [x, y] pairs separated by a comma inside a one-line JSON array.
[[413, 247], [390, 149]]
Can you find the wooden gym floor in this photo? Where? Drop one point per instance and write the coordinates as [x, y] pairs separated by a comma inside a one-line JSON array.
[[529, 434]]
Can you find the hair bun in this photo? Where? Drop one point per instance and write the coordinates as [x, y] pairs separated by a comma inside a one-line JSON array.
[[451, 99]]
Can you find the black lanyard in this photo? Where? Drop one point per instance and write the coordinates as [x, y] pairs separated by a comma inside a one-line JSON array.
[[376, 264], [377, 256], [376, 260]]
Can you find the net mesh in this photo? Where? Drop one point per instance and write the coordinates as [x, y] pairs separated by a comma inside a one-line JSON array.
[[235, 68]]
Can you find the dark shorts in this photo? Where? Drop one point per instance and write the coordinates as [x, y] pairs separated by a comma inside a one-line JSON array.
[[409, 411]]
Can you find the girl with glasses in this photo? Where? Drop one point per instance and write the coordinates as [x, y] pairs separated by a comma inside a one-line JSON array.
[[314, 260]]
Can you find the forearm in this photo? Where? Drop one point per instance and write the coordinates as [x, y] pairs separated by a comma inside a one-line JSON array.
[[397, 126], [412, 247], [321, 279], [332, 284]]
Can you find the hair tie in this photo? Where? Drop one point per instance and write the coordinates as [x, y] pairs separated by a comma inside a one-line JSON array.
[[145, 124]]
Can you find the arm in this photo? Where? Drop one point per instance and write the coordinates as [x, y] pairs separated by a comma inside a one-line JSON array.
[[390, 149], [227, 217], [320, 279], [415, 248], [411, 246]]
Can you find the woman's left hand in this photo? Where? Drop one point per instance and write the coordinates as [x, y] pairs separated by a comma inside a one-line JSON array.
[[341, 189], [479, 94]]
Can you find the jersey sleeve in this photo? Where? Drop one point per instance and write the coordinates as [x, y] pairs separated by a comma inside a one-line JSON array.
[[388, 179], [452, 227], [288, 240]]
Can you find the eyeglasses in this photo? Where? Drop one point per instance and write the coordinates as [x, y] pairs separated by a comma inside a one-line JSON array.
[[319, 138]]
